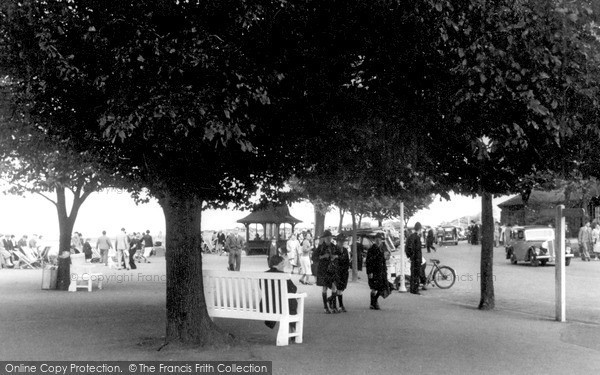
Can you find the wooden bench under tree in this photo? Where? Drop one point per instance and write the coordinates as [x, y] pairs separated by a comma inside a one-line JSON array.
[[255, 296]]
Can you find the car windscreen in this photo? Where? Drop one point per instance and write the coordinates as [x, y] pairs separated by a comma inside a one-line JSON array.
[[539, 234]]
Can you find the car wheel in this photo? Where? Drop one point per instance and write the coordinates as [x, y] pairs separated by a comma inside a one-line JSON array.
[[567, 261], [533, 260], [543, 262], [513, 259]]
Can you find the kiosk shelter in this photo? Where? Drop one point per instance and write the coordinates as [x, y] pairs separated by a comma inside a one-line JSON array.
[[272, 220]]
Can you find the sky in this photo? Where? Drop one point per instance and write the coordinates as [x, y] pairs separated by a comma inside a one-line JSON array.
[[112, 211]]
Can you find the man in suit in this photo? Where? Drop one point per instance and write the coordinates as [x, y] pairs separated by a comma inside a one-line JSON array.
[[234, 245]]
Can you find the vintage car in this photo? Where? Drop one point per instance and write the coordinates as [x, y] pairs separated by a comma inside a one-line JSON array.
[[448, 234], [534, 244]]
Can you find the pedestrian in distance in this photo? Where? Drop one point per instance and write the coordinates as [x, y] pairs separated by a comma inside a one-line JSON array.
[[413, 252], [293, 252], [234, 244], [585, 238], [305, 262], [596, 240], [122, 246], [377, 271], [148, 246], [431, 239], [104, 245]]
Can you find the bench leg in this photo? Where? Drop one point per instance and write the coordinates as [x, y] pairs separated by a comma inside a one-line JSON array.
[[89, 288], [283, 334], [73, 286], [299, 331]]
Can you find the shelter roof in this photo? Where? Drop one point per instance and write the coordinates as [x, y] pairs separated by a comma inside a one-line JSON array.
[[536, 197], [275, 215]]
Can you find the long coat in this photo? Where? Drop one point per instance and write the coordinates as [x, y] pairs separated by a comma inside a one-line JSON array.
[[326, 274], [343, 269], [376, 265]]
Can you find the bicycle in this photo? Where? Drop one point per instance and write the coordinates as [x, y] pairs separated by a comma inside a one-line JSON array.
[[442, 276]]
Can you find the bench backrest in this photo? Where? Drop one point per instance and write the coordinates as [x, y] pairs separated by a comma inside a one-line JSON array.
[[256, 295]]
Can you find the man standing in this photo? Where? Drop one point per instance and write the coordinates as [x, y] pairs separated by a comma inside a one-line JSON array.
[[148, 246], [234, 245], [122, 246], [104, 245], [585, 239], [413, 251]]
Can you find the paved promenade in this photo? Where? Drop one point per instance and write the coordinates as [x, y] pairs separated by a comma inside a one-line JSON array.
[[411, 334]]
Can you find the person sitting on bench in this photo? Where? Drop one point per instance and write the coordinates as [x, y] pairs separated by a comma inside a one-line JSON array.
[[277, 264]]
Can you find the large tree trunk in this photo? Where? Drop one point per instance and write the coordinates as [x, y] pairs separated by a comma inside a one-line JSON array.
[[66, 221], [319, 222], [188, 321], [342, 212], [487, 301], [354, 248]]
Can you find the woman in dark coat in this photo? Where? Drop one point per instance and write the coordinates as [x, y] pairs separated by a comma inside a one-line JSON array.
[[431, 239], [343, 267], [327, 254], [377, 272]]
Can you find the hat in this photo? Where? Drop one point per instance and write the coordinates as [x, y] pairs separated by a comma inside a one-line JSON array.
[[340, 237], [327, 233], [380, 235]]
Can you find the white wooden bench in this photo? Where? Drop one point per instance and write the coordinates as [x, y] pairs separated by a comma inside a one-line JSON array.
[[82, 271], [241, 295]]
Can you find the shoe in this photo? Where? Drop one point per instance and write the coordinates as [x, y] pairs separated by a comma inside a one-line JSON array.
[[327, 311], [307, 283], [342, 309], [302, 282], [417, 293], [330, 303], [423, 287]]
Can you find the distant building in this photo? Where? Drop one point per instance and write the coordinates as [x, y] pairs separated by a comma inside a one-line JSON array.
[[514, 211]]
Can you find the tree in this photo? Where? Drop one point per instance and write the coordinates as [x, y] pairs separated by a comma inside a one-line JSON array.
[[165, 94], [389, 207], [33, 163], [523, 77]]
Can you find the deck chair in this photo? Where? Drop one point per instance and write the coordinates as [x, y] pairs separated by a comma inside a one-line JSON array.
[[24, 259], [96, 255], [83, 274]]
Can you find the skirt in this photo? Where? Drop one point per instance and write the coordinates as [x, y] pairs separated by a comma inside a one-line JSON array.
[[305, 267]]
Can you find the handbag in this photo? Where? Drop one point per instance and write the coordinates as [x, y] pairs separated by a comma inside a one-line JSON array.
[[387, 291]]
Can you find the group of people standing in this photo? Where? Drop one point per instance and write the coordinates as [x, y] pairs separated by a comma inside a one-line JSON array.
[[333, 263], [589, 241], [127, 249]]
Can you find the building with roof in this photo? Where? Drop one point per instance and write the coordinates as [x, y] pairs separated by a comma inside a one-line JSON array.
[[272, 220]]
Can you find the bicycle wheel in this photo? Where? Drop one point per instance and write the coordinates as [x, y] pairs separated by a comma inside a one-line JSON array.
[[444, 277]]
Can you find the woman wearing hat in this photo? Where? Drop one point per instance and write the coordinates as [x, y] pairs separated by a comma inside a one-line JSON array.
[[327, 253], [343, 263], [377, 271]]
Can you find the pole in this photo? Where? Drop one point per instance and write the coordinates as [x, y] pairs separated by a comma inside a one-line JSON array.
[[402, 286], [559, 256]]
